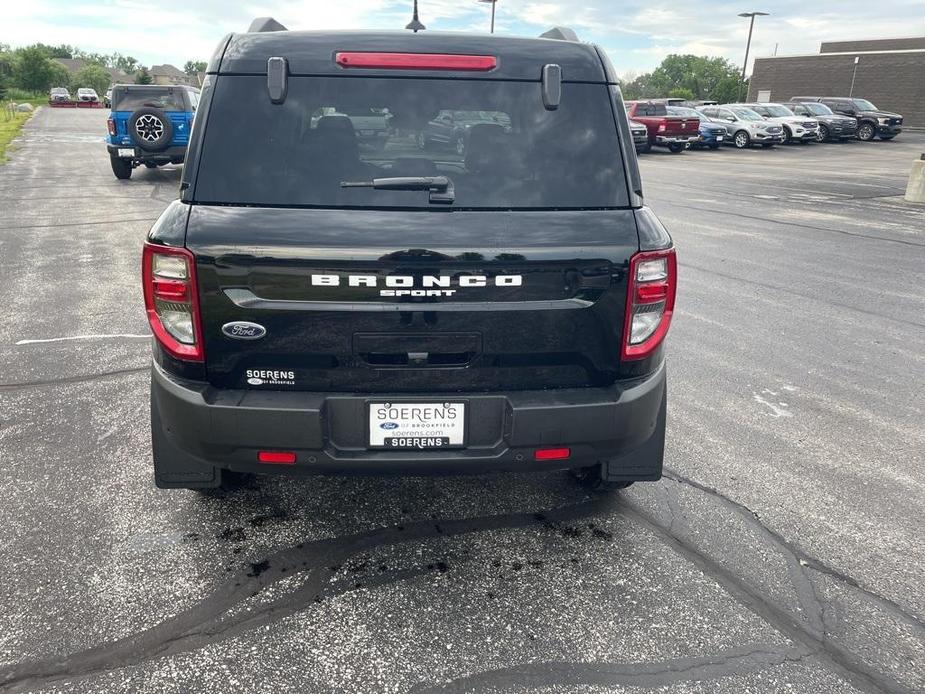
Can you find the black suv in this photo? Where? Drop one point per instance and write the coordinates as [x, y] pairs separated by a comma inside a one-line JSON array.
[[318, 306], [831, 125], [872, 122]]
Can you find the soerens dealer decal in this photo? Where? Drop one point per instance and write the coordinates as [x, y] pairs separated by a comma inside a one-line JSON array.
[[269, 377], [427, 285]]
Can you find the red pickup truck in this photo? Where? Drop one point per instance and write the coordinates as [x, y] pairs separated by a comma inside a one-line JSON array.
[[673, 132]]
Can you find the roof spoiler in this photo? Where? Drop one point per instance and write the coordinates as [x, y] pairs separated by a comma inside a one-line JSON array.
[[262, 24], [560, 34]]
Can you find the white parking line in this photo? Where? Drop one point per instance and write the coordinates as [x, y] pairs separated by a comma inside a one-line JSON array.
[[129, 336]]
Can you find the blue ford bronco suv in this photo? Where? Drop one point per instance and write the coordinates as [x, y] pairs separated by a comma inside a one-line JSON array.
[[320, 303], [150, 124]]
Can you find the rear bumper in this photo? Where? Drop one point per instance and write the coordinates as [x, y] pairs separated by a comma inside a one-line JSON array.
[[202, 429], [175, 154], [675, 139]]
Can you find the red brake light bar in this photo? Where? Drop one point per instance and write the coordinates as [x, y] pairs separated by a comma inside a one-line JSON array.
[[416, 61]]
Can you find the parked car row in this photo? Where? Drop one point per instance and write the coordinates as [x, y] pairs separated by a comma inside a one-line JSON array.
[[680, 125], [85, 96]]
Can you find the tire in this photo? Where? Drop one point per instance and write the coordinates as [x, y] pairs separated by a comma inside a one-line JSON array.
[[823, 133], [121, 167], [590, 478], [714, 147], [788, 136], [646, 148], [150, 165], [741, 139], [866, 132], [422, 141], [460, 145], [887, 138], [150, 128], [767, 145], [675, 148]]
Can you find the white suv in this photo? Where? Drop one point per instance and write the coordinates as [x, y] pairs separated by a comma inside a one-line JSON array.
[[796, 128], [745, 127]]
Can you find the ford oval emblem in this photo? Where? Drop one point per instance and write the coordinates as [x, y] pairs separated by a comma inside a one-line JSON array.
[[389, 425], [244, 330]]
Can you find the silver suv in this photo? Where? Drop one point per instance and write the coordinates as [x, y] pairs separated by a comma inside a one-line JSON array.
[[745, 127], [796, 128]]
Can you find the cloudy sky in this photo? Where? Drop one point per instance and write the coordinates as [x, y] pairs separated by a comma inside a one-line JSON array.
[[636, 33]]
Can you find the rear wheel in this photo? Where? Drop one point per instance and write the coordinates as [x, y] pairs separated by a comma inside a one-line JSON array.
[[647, 147], [122, 168], [866, 132], [676, 148], [460, 145], [887, 137], [741, 139], [422, 141], [767, 145], [714, 146]]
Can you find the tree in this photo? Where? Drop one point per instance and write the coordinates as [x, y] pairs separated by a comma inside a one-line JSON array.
[[60, 77], [126, 63], [34, 69], [93, 76], [7, 67], [698, 74], [194, 66], [681, 93], [142, 76]]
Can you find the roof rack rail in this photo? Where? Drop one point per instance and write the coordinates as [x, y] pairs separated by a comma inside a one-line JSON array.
[[262, 24], [561, 34]]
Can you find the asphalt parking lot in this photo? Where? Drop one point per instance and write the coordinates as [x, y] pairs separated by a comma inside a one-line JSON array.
[[782, 552]]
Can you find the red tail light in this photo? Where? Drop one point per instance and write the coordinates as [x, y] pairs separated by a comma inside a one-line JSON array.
[[650, 294], [552, 453], [111, 124], [172, 300], [416, 61], [276, 457]]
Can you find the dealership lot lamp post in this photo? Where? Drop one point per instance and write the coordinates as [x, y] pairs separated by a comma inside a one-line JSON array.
[[493, 3], [748, 45]]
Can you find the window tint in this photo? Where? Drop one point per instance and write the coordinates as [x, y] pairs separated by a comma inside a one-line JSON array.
[[158, 98], [495, 141]]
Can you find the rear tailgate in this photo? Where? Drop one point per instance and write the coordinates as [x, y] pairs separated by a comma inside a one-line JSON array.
[[367, 300], [679, 126]]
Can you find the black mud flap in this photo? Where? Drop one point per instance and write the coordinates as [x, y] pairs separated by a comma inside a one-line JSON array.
[[644, 463], [175, 468]]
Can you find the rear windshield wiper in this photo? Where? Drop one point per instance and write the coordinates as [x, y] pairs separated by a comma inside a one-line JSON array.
[[440, 187]]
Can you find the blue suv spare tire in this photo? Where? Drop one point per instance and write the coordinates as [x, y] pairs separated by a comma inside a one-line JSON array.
[[150, 128]]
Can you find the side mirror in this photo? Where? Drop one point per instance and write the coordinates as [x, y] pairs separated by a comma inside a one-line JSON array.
[[731, 119]]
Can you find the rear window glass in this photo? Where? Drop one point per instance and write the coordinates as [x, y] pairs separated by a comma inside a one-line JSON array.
[[651, 109], [494, 140], [158, 98]]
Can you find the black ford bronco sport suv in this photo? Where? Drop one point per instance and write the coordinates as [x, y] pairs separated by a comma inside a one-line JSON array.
[[320, 305]]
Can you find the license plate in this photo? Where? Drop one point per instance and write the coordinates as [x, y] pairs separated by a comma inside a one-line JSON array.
[[417, 425], [719, 138], [126, 152]]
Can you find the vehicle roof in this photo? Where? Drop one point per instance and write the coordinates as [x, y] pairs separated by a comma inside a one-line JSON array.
[[149, 87], [312, 53]]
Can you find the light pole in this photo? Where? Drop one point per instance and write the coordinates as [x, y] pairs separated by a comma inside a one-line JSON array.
[[857, 59], [493, 3], [748, 45]]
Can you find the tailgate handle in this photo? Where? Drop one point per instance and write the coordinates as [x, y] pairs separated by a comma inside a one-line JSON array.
[[417, 350]]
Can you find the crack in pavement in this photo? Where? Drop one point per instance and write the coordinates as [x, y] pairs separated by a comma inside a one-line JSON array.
[[4, 387], [225, 614], [206, 623], [737, 661], [804, 559]]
